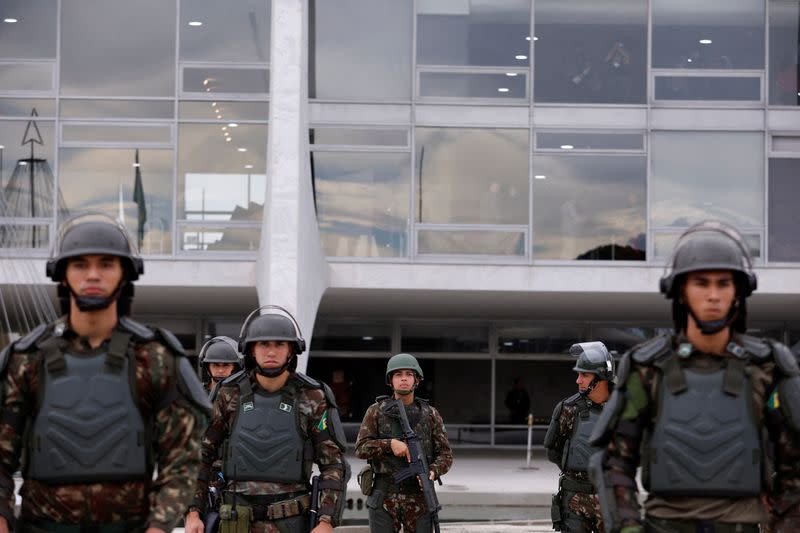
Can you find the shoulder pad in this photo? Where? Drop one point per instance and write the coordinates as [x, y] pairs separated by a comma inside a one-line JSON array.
[[139, 330], [29, 341], [306, 381], [5, 355], [784, 359], [759, 348], [329, 397], [191, 388], [423, 400], [381, 398], [572, 400], [171, 341], [649, 351], [233, 379]]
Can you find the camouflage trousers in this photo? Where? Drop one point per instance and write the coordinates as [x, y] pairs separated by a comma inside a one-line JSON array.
[[580, 513], [389, 512], [296, 524]]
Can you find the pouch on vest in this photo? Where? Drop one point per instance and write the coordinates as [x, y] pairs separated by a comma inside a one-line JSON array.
[[366, 479], [238, 522]]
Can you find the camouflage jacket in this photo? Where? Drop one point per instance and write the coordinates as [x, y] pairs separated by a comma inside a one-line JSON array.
[[639, 394], [563, 424], [378, 429], [176, 429], [312, 411]]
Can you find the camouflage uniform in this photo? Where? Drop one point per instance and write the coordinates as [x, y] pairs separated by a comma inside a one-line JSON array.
[[176, 427], [404, 503], [639, 396], [583, 507], [312, 412]]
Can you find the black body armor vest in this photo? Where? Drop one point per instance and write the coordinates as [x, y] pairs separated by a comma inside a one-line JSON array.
[[577, 449]]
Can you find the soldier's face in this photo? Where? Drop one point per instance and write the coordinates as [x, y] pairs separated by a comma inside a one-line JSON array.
[[94, 275], [271, 354], [710, 294], [584, 380], [404, 380], [220, 370]]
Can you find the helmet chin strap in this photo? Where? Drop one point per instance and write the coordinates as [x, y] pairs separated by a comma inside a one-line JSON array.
[[588, 390], [96, 303], [273, 372], [710, 327]]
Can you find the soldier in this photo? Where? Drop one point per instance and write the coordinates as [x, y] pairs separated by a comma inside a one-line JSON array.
[[575, 507], [709, 412], [218, 358], [96, 402], [276, 422], [392, 505]]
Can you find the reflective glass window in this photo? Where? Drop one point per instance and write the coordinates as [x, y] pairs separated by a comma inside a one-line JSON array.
[[224, 111], [590, 51], [116, 108], [708, 88], [26, 77], [473, 242], [135, 185], [718, 34], [552, 339], [33, 35], [364, 57], [699, 175], [784, 52], [472, 85], [621, 339], [543, 383], [589, 207], [463, 339], [218, 238], [589, 141], [352, 337], [459, 389], [359, 136], [234, 30], [362, 202], [355, 382], [130, 50], [471, 176], [128, 133], [215, 80], [22, 107], [221, 180], [664, 243], [784, 217]]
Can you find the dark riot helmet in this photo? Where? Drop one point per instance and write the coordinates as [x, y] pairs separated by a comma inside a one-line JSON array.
[[222, 350], [94, 234], [271, 327], [710, 245], [593, 358]]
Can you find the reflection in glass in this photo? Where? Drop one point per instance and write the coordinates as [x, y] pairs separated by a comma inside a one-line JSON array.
[[590, 52], [219, 238], [234, 30], [211, 80], [697, 176], [362, 202], [439, 338], [444, 84], [26, 77], [130, 50], [784, 58], [109, 180], [473, 32], [552, 339], [708, 35], [784, 217], [471, 176], [128, 133], [117, 108], [21, 107], [352, 337], [224, 111], [367, 57], [214, 181], [33, 36], [359, 136], [589, 141], [546, 382], [471, 242], [664, 243], [25, 236], [708, 88], [589, 207]]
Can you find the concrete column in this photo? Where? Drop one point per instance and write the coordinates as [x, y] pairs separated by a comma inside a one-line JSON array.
[[291, 269]]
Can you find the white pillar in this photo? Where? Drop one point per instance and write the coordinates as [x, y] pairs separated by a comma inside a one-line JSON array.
[[292, 270]]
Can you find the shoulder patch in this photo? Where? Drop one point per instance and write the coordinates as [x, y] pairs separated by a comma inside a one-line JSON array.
[[307, 381], [649, 351], [171, 341], [139, 330], [27, 342]]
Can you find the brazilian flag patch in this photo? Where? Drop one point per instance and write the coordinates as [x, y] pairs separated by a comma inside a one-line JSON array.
[[323, 423], [774, 401]]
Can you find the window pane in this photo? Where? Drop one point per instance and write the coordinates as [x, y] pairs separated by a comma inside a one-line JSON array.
[[362, 203], [445, 339], [219, 179], [359, 136], [352, 338], [552, 339], [707, 88], [130, 50], [235, 30], [364, 57], [98, 179], [224, 110], [26, 77], [471, 176], [219, 238], [471, 242], [114, 133], [25, 236], [589, 207], [589, 141], [784, 59], [786, 143], [26, 161], [590, 51], [784, 217], [444, 84], [22, 107], [473, 32], [708, 35], [664, 243], [697, 176], [117, 109], [210, 81], [544, 382], [459, 389], [33, 36]]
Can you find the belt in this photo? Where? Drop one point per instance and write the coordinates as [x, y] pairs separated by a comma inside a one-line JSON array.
[[697, 526], [573, 485], [274, 506], [44, 526]]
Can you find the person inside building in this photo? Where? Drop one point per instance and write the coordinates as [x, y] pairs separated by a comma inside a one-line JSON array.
[[112, 410], [275, 423], [575, 507], [218, 358], [394, 505], [711, 414]]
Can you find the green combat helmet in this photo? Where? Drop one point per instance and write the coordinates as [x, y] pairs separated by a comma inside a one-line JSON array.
[[403, 361], [593, 358]]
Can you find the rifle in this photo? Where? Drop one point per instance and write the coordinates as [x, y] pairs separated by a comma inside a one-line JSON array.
[[211, 521], [313, 514], [418, 467]]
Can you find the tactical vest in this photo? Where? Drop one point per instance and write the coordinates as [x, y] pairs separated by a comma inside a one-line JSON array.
[[705, 440], [88, 427], [577, 449], [389, 427], [266, 443]]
